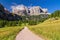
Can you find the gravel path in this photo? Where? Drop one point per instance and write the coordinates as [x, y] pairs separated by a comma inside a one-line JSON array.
[[26, 34]]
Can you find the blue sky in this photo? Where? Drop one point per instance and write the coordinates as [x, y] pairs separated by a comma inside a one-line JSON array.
[[51, 5]]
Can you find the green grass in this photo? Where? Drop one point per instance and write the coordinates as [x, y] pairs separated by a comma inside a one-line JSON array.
[[9, 33], [49, 30]]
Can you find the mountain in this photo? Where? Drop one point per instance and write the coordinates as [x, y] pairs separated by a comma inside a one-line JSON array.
[[23, 10], [6, 15]]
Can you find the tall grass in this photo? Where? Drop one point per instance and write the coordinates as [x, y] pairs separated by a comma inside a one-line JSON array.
[[49, 29], [9, 33]]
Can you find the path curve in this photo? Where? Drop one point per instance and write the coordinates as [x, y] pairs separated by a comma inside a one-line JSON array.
[[26, 34]]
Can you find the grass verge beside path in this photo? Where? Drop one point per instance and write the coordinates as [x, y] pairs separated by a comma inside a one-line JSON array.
[[9, 33]]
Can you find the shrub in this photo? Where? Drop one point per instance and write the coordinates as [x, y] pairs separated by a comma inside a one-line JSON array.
[[32, 22], [19, 23]]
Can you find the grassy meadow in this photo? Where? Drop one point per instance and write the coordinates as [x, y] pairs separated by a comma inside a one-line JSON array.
[[9, 33], [50, 29]]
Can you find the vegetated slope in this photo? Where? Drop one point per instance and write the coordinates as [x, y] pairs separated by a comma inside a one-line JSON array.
[[49, 29], [9, 33]]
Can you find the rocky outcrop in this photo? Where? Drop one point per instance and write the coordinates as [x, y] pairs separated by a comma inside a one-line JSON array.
[[19, 10]]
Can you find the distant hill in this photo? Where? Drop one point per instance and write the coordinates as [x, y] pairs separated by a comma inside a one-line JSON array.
[[6, 15]]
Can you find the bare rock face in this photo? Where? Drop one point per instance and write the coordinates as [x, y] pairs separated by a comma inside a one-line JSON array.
[[19, 10]]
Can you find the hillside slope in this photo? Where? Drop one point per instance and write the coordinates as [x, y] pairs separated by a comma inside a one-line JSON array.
[[49, 29]]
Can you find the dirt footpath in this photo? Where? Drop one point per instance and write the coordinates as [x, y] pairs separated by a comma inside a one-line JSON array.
[[26, 34]]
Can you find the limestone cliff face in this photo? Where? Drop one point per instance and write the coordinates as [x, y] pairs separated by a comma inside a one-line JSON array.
[[23, 10], [19, 10], [35, 10]]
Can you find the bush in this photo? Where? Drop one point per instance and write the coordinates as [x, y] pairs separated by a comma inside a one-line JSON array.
[[19, 23], [32, 23]]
